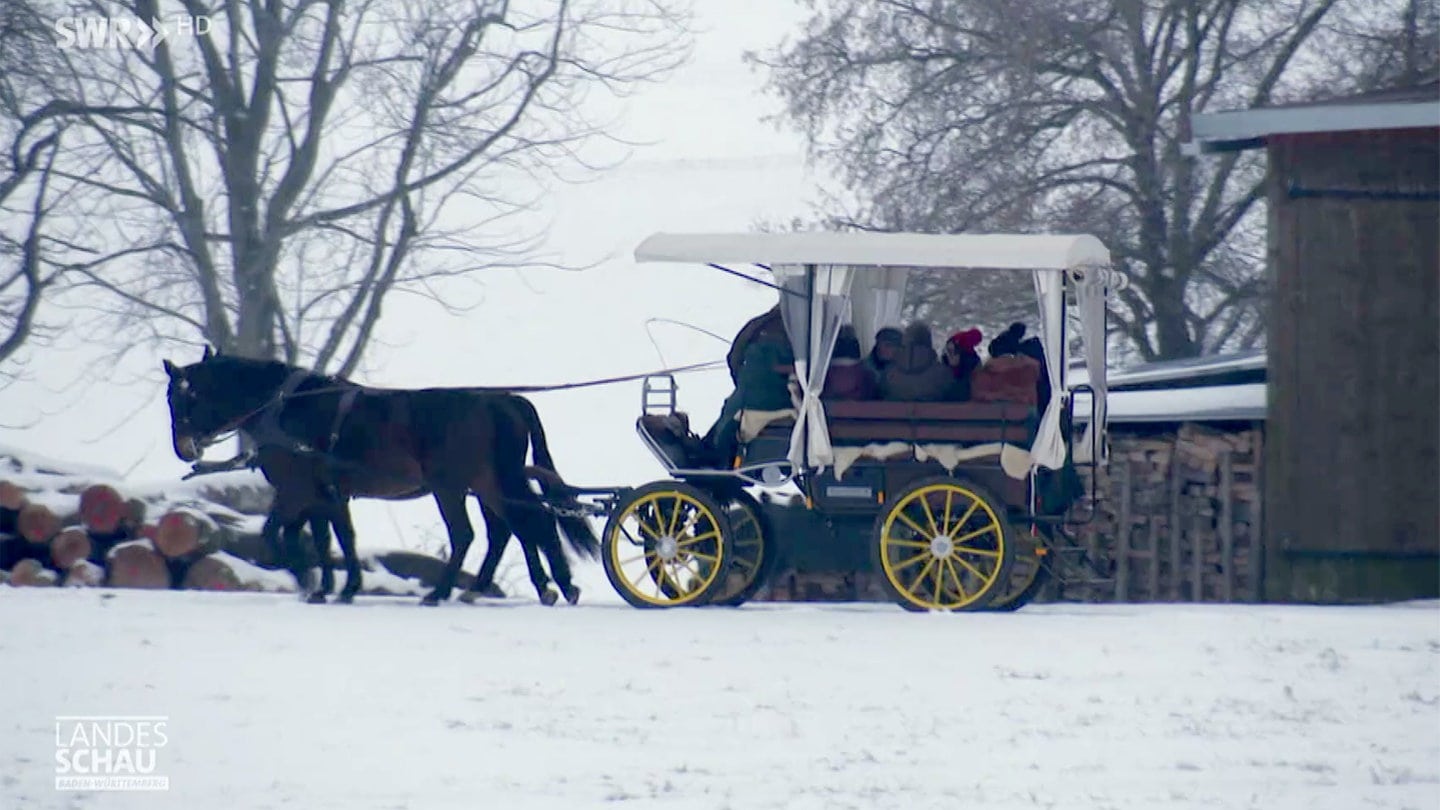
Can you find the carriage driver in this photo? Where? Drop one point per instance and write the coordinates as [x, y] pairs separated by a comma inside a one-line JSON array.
[[765, 363]]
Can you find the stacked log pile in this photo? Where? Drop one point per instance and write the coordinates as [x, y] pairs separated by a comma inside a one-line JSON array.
[[1178, 519], [57, 530]]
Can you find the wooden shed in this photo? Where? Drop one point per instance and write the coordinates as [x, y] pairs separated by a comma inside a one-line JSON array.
[[1352, 470]]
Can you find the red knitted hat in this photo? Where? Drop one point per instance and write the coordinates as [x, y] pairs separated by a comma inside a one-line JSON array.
[[968, 339]]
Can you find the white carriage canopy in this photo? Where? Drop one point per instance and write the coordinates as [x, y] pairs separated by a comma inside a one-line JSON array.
[[860, 278]]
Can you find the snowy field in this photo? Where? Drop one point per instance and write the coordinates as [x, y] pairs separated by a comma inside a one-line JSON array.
[[274, 704]]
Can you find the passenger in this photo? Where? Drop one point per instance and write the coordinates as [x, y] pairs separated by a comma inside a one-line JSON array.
[[762, 385], [962, 360], [917, 375], [848, 377], [1007, 376], [887, 348], [1032, 348]]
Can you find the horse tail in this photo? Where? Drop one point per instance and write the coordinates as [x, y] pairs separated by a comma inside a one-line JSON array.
[[578, 532]]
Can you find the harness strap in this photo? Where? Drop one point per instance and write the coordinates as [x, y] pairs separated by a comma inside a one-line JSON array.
[[347, 401], [535, 389]]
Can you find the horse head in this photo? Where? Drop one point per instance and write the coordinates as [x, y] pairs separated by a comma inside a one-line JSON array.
[[213, 397]]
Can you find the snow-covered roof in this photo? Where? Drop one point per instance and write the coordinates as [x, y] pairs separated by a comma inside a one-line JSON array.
[[989, 251], [1401, 108], [1215, 403], [1194, 368]]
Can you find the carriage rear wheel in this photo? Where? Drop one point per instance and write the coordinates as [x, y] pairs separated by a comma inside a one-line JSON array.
[[753, 552], [1028, 574], [944, 544], [667, 544]]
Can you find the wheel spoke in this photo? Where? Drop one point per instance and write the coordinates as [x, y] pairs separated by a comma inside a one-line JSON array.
[[912, 524], [974, 504], [690, 541], [972, 535], [896, 541], [710, 558], [923, 571], [909, 561], [960, 589], [978, 552], [674, 517], [945, 521], [972, 569], [929, 515]]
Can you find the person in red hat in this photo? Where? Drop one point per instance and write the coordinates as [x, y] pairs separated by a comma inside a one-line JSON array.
[[962, 359]]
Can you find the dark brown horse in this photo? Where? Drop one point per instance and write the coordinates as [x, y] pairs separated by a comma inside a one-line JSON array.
[[378, 443]]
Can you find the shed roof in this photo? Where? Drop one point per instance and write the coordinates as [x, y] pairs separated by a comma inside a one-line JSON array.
[[1394, 108]]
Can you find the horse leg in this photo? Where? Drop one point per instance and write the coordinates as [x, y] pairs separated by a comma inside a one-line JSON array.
[[452, 509], [549, 542], [345, 533], [320, 536], [497, 537], [282, 549]]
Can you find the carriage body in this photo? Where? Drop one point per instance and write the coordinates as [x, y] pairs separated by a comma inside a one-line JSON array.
[[949, 504]]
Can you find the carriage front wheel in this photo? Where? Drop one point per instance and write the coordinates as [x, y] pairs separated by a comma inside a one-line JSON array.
[[667, 544], [944, 544]]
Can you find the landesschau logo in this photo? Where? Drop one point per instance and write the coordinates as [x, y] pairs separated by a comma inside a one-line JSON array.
[[84, 33], [110, 752]]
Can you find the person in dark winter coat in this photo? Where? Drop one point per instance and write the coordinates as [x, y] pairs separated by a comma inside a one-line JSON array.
[[918, 375], [762, 385], [887, 349], [848, 377], [766, 322], [1008, 376], [962, 360]]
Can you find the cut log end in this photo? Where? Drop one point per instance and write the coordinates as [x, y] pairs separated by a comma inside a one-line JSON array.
[[102, 509], [12, 497], [69, 547], [32, 573], [84, 574], [211, 574], [181, 534], [37, 523], [137, 566]]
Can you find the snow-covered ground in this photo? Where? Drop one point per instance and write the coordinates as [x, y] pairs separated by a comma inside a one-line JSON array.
[[274, 704]]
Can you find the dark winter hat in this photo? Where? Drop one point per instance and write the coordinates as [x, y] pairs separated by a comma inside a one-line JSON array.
[[1008, 342], [889, 335]]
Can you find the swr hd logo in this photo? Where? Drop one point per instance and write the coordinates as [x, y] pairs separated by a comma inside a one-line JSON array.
[[110, 753], [88, 33]]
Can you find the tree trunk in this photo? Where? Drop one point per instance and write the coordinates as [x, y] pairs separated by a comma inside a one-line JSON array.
[[137, 565]]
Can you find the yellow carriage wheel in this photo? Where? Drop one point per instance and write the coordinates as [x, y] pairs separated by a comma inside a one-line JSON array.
[[666, 544], [752, 552], [944, 544]]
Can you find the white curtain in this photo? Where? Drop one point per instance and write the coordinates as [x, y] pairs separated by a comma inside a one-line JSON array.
[[877, 294], [813, 331], [1049, 447], [1091, 285]]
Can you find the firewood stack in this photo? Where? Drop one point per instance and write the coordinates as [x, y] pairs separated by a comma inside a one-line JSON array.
[[92, 535], [1179, 518]]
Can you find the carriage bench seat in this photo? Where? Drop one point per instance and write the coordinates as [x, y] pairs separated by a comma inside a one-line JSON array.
[[866, 422]]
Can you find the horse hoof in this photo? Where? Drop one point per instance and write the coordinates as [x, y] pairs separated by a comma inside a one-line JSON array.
[[346, 599], [549, 597], [430, 600], [469, 597], [317, 598], [492, 591], [572, 594]]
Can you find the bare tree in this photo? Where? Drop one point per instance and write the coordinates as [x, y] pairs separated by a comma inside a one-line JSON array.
[[1059, 115], [286, 165]]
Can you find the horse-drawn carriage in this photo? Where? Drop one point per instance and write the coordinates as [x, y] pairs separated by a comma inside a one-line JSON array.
[[952, 505]]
